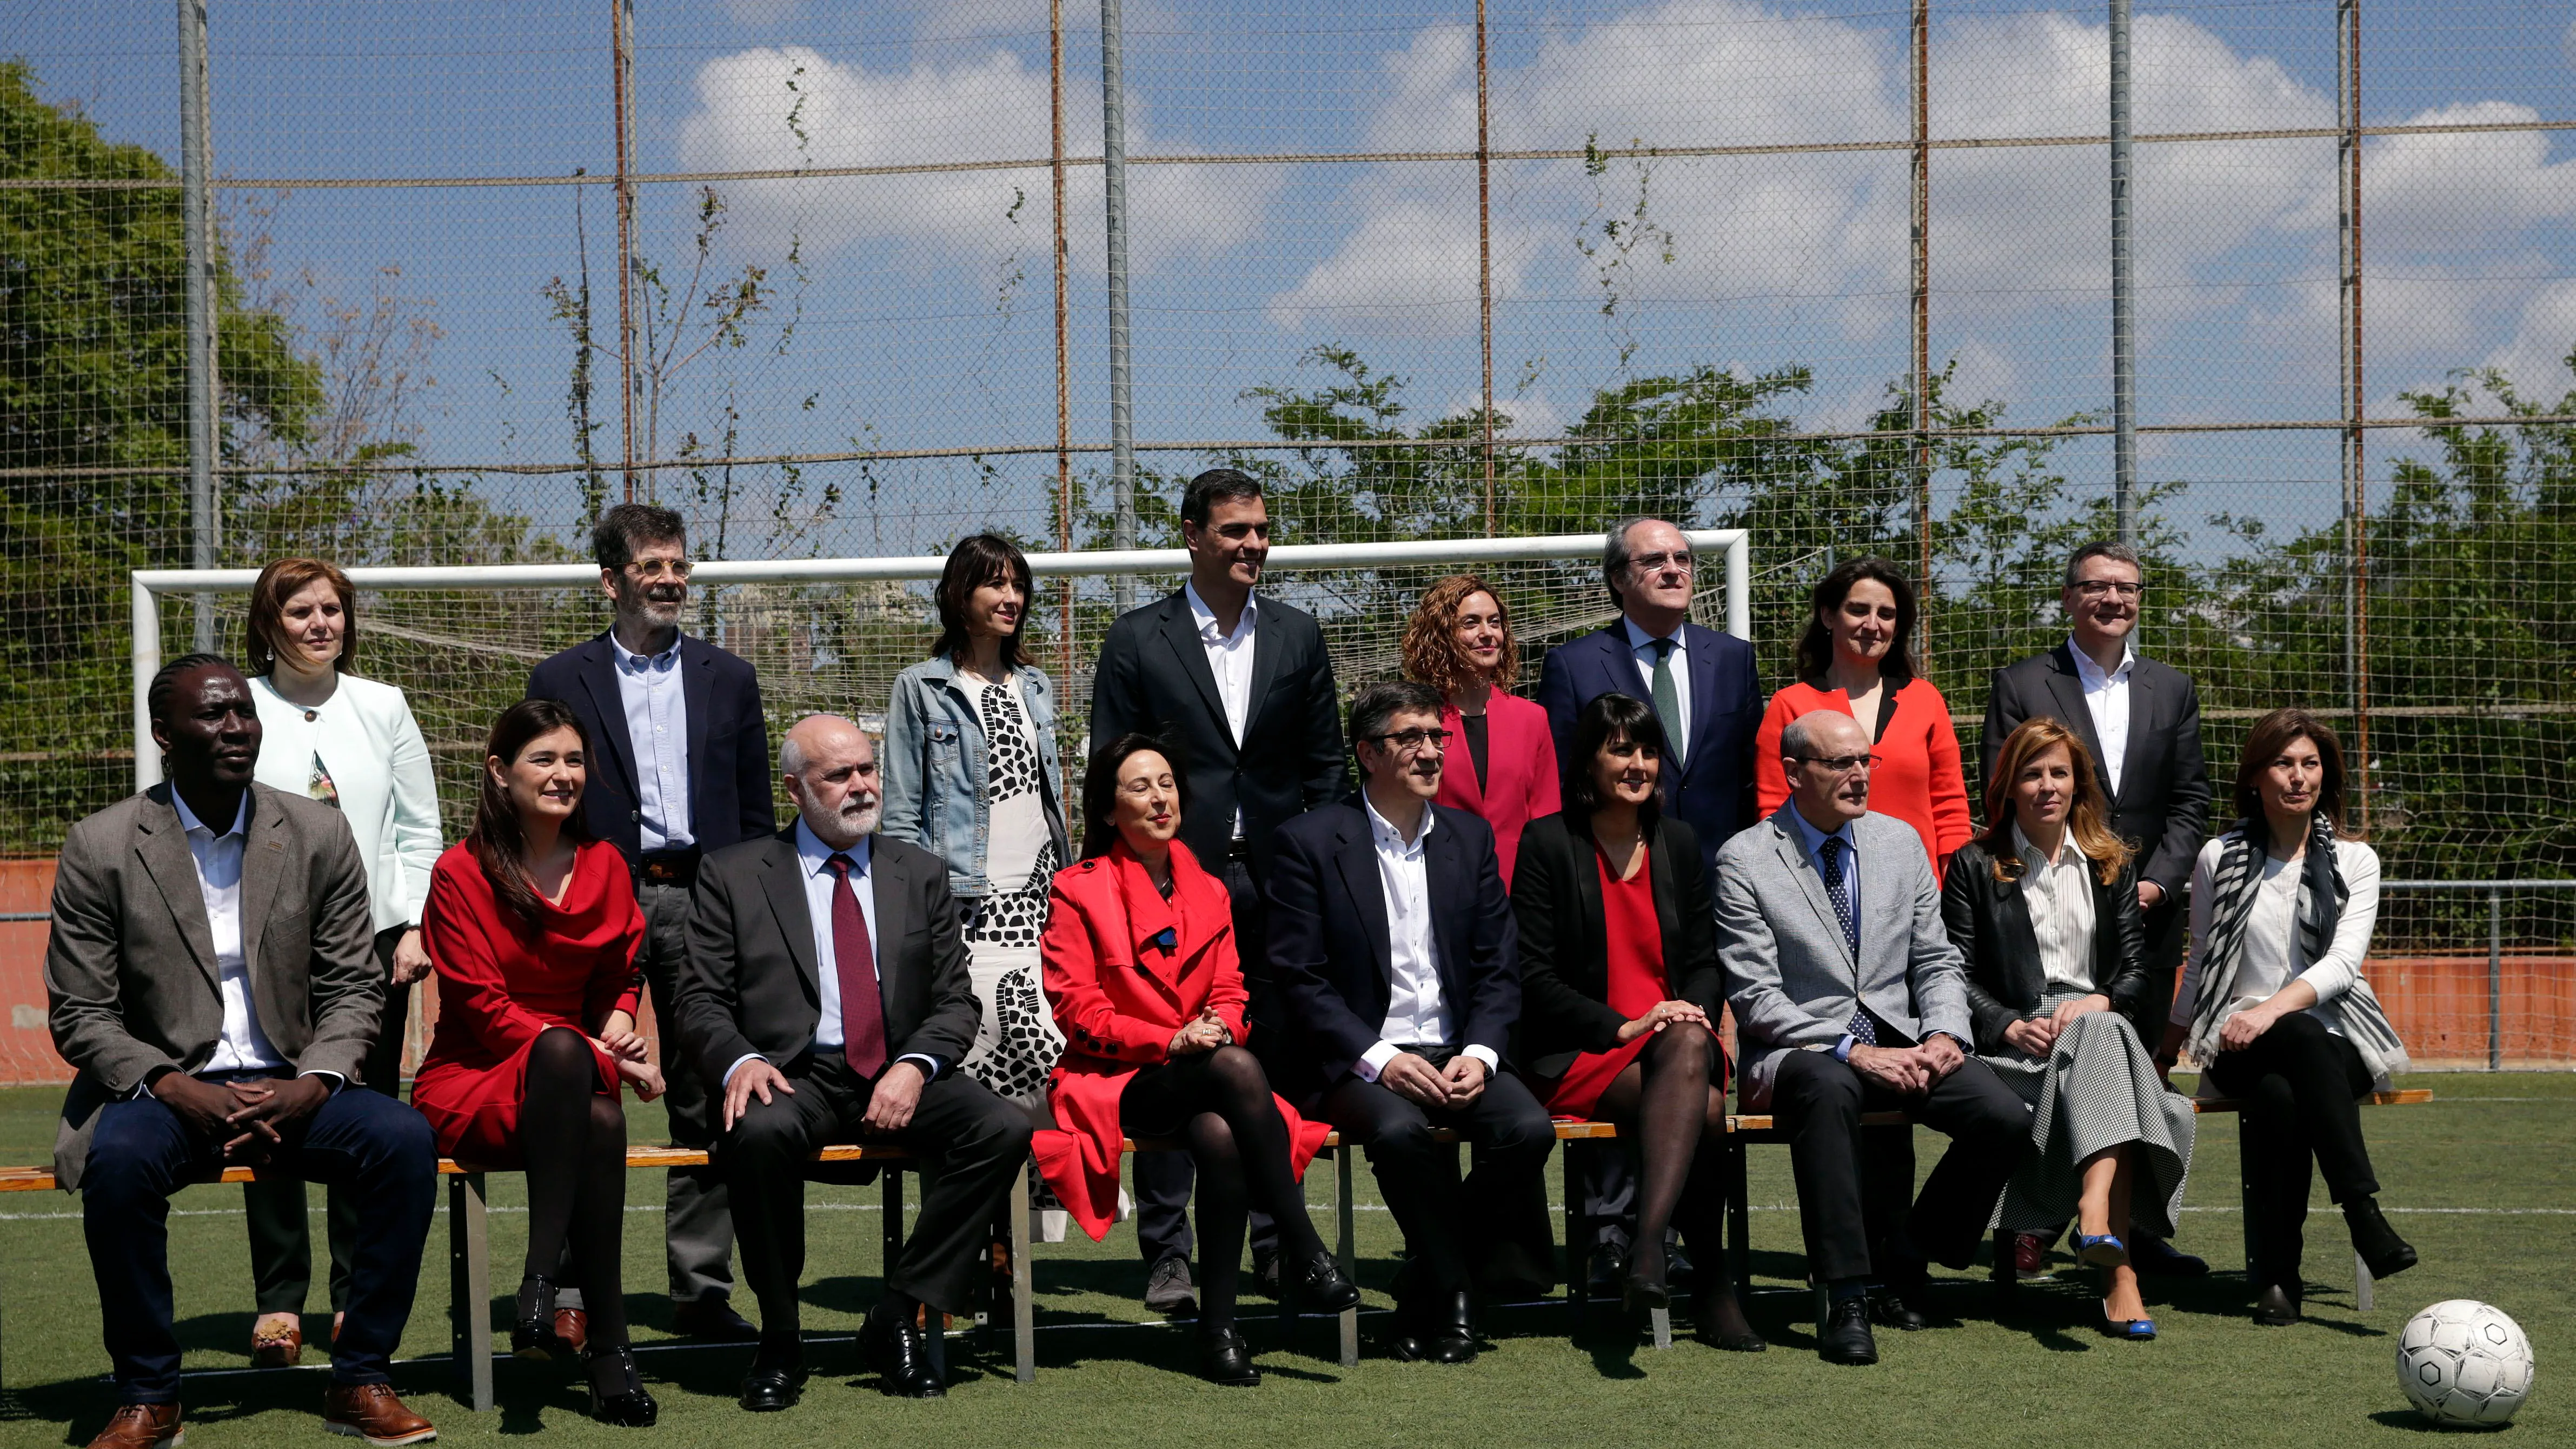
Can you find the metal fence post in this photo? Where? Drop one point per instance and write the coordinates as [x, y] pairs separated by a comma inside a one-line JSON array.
[[2124, 338], [1113, 178], [2495, 980], [197, 225]]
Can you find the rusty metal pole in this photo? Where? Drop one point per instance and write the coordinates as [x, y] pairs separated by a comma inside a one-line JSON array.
[[1485, 256], [1923, 313], [622, 60], [1063, 346], [2356, 511], [197, 230], [2124, 293]]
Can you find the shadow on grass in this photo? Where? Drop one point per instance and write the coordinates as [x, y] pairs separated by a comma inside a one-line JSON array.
[[2409, 1419]]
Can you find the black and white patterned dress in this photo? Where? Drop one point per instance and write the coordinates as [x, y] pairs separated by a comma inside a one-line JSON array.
[[1017, 1045]]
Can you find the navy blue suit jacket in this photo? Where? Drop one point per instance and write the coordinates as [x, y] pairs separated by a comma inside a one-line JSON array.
[[1331, 952], [729, 786], [1715, 794]]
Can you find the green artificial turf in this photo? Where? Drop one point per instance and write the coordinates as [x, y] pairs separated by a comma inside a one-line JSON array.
[[2479, 1180]]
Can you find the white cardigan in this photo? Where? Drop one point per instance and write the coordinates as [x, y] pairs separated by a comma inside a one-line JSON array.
[[380, 765], [2331, 976]]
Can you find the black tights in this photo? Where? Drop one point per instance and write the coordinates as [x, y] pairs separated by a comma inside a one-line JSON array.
[[1666, 1105], [1220, 1103], [573, 1137]]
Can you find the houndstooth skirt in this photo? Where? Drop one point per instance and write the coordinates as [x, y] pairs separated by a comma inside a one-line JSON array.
[[2097, 1089]]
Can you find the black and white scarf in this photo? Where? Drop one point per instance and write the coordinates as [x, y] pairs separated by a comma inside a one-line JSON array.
[[2322, 892]]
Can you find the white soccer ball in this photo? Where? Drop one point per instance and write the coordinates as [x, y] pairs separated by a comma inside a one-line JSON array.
[[2464, 1362]]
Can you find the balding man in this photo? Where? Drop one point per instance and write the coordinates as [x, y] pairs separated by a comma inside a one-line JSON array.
[[826, 1000], [1849, 998]]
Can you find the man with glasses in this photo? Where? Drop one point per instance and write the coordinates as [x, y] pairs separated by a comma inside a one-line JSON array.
[[683, 769], [1394, 948], [2141, 719], [1849, 998], [1702, 685]]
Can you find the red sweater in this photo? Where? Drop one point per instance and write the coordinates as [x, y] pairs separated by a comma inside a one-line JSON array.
[[1918, 780]]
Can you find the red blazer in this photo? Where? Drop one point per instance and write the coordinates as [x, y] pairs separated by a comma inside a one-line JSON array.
[[1125, 969], [1520, 772], [1920, 782]]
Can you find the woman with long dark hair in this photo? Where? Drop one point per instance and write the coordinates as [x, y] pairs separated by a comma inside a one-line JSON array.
[[971, 776], [2044, 906], [1857, 656], [1620, 994], [533, 928], [1141, 969], [2274, 1005]]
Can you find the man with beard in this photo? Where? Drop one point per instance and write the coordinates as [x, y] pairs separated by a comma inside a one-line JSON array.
[[827, 998], [682, 769]]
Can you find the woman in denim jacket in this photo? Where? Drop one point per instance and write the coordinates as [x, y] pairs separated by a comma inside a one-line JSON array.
[[971, 775]]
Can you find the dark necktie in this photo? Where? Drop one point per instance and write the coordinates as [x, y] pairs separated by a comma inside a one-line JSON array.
[[1829, 864], [854, 963], [1668, 700]]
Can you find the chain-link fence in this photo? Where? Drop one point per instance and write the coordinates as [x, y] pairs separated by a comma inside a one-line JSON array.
[[838, 281]]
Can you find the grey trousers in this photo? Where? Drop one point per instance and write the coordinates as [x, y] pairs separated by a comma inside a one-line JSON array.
[[697, 1214]]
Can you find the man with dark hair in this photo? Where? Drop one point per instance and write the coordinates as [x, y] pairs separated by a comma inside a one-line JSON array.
[[212, 979], [1244, 690], [1702, 685], [2141, 720], [681, 768], [1395, 949]]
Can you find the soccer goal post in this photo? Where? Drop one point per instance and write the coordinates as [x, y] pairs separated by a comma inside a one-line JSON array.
[[830, 634]]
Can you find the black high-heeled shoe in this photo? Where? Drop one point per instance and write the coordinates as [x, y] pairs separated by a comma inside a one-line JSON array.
[[630, 1407], [1643, 1286], [532, 1329], [2377, 1243]]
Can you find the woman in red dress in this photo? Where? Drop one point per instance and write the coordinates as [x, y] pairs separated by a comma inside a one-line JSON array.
[[533, 928], [1620, 993], [1854, 658], [1141, 971], [1460, 643]]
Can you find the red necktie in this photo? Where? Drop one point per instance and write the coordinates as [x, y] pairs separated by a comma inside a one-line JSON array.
[[854, 961]]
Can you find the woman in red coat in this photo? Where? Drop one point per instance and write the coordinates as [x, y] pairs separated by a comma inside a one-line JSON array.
[[533, 928], [1855, 658], [1460, 643], [1140, 968]]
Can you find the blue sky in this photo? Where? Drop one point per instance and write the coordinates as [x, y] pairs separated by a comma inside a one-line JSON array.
[[926, 321]]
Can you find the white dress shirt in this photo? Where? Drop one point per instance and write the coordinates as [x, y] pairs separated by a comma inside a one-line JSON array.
[[1229, 658], [813, 862], [243, 1046], [2059, 896], [1641, 647], [2106, 696], [1416, 1014], [657, 730]]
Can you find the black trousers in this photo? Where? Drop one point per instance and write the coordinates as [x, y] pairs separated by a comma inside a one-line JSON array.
[[1852, 1180], [281, 1242], [972, 1143], [1164, 1179], [2302, 1087], [1489, 1232]]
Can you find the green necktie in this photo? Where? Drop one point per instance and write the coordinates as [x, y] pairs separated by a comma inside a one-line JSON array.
[[1668, 700]]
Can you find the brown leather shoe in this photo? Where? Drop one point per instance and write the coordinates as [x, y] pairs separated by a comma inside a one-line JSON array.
[[572, 1325], [276, 1340], [371, 1412], [141, 1426]]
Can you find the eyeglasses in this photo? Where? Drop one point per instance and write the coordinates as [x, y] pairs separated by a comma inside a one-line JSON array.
[[2096, 588], [1412, 742], [1648, 563], [650, 569], [1842, 764]]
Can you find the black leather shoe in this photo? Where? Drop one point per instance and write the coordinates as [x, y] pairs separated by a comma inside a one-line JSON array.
[[532, 1322], [767, 1389], [1266, 1275], [2378, 1244], [712, 1320], [1167, 1287], [895, 1349], [1224, 1358], [1643, 1286], [1443, 1334], [1898, 1308], [1718, 1318], [1846, 1337], [1322, 1286], [1609, 1270], [628, 1406], [2277, 1308], [2153, 1257], [1679, 1270]]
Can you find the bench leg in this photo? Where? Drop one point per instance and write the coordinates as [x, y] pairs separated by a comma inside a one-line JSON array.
[[1578, 1243], [2364, 1297], [934, 1325], [469, 1290], [1662, 1319], [1024, 1336], [1346, 1247], [1739, 1220]]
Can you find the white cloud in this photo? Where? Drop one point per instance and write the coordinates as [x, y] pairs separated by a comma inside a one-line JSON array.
[[2536, 358]]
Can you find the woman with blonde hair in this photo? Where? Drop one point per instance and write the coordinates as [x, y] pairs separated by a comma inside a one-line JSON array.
[[1460, 642], [2044, 906]]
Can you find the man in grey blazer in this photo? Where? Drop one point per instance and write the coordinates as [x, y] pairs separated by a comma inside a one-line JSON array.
[[1849, 998], [211, 977]]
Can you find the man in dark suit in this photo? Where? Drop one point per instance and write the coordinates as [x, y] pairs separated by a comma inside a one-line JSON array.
[[827, 998], [212, 978], [2141, 720], [683, 770], [1702, 684], [1394, 948], [1242, 688]]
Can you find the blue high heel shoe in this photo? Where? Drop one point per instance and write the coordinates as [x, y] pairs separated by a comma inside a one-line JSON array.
[[2106, 1251], [2129, 1330]]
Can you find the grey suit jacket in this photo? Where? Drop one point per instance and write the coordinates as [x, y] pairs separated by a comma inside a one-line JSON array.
[[1789, 970], [130, 974]]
